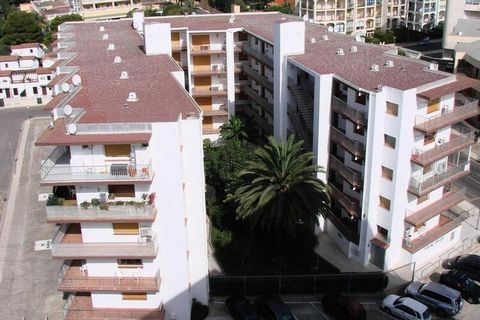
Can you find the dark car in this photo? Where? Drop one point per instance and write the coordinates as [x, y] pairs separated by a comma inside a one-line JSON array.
[[342, 307], [273, 308], [470, 264], [460, 281], [240, 308]]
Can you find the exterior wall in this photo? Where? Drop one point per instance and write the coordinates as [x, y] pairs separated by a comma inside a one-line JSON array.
[[114, 300], [25, 52]]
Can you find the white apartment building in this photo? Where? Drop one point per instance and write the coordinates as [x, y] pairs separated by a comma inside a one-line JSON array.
[[23, 79], [425, 14], [127, 157]]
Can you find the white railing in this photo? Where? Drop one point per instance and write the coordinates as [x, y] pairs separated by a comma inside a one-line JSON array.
[[117, 128], [77, 213], [66, 69], [66, 55], [423, 182]]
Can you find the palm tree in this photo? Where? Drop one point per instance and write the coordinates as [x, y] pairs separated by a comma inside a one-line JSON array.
[[233, 129], [280, 188]]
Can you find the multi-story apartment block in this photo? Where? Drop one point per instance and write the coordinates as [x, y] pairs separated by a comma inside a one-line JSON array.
[[23, 79], [387, 129], [425, 14], [360, 17], [127, 158]]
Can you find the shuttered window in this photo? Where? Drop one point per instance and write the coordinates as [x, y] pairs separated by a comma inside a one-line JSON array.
[[117, 150], [433, 105], [387, 173], [134, 296], [125, 228], [392, 109], [384, 203], [122, 190]]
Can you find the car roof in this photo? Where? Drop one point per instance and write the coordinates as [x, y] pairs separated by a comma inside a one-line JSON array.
[[414, 304], [442, 289], [469, 258], [456, 275]]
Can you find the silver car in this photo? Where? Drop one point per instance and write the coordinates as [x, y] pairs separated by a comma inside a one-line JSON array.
[[406, 308], [441, 299]]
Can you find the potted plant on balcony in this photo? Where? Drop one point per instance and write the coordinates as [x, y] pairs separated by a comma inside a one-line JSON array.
[[54, 200], [85, 205]]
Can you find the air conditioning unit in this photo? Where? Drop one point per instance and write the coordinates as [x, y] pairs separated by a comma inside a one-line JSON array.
[[145, 232], [408, 233]]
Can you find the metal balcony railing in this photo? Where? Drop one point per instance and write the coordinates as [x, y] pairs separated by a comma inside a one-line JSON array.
[[341, 107], [73, 278], [465, 108], [258, 77], [207, 49], [425, 183], [350, 205], [74, 213], [354, 147], [258, 99], [209, 91], [343, 228], [75, 248], [259, 56], [352, 176]]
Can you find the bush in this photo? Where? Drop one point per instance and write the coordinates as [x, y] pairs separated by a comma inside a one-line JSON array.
[[220, 239], [95, 202], [103, 206], [53, 200], [119, 203], [85, 205]]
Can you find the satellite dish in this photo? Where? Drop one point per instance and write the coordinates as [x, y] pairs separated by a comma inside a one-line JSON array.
[[72, 128], [305, 18], [67, 110], [76, 79], [65, 87]]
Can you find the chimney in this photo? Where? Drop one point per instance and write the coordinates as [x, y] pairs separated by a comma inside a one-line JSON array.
[[157, 37], [235, 8], [138, 19]]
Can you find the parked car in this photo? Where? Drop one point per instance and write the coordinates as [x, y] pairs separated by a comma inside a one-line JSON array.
[[441, 299], [406, 308], [460, 281], [273, 308], [470, 264], [240, 308], [342, 307]]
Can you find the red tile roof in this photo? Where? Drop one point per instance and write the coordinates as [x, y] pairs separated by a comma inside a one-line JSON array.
[[5, 73], [26, 45], [9, 58], [461, 83]]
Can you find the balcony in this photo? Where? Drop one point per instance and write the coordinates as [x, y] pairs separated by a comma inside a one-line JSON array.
[[457, 142], [448, 222], [447, 201], [351, 205], [68, 244], [72, 278], [209, 91], [176, 46], [346, 230], [262, 80], [222, 111], [207, 49], [80, 307], [58, 170], [258, 99], [259, 56], [256, 119], [380, 240], [426, 183], [208, 70], [341, 107], [115, 213], [352, 176], [354, 147], [464, 108]]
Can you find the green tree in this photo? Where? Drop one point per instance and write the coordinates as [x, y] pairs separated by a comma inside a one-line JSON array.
[[61, 19], [285, 7], [21, 27], [234, 129], [279, 188]]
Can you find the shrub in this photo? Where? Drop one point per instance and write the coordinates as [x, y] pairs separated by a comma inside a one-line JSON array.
[[95, 202], [119, 203], [144, 196], [111, 196], [103, 206], [85, 205], [220, 239], [53, 200]]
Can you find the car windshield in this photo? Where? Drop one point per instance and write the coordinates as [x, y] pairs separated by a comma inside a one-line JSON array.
[[426, 314], [399, 300]]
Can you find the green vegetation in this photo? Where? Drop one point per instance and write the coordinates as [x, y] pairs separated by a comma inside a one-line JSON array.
[[20, 27], [53, 200], [285, 7], [268, 239], [403, 34]]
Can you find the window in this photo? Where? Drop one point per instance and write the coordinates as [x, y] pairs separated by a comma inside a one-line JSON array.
[[433, 105], [429, 138], [384, 203], [406, 310], [134, 296], [382, 231], [130, 263], [387, 173], [452, 235], [49, 77], [390, 141], [23, 93], [6, 65], [117, 150], [15, 91], [392, 109], [31, 50], [35, 90], [125, 228], [122, 190]]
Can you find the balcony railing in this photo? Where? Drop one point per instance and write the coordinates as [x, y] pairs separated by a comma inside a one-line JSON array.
[[343, 228], [58, 170], [207, 49], [259, 56], [456, 143], [258, 99], [209, 91], [453, 221], [79, 307], [258, 77], [341, 107], [354, 147], [75, 279], [114, 213], [423, 184], [352, 206], [350, 175], [206, 70], [71, 246], [464, 108]]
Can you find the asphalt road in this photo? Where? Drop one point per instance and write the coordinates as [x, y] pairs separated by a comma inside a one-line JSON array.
[[11, 120]]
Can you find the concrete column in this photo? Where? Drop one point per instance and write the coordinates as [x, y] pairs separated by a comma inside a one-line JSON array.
[[138, 20], [289, 39], [230, 55], [157, 37]]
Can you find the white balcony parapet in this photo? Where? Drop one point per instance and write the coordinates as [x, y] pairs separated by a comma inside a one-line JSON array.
[[74, 213], [424, 183], [118, 128]]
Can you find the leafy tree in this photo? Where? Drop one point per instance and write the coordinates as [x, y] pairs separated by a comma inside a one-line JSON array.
[[233, 129], [285, 7], [61, 19], [173, 10], [279, 188], [21, 27]]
